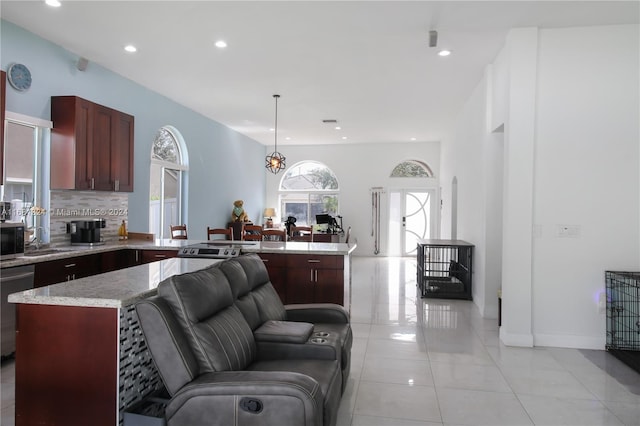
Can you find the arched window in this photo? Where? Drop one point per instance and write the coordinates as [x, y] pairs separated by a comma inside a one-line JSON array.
[[412, 169], [307, 189], [169, 163]]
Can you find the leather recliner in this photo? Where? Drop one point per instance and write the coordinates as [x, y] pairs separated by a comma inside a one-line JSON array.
[[212, 366]]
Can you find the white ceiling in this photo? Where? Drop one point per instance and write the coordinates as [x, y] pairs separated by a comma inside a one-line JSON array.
[[366, 64]]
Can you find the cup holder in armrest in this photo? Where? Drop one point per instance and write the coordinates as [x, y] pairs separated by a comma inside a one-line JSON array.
[[321, 334], [318, 340]]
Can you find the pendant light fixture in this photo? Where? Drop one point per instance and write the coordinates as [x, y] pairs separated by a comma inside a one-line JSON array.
[[275, 160]]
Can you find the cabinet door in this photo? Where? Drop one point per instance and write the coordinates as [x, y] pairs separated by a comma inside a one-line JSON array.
[[115, 260], [104, 126], [276, 267], [71, 143], [122, 153], [57, 271], [328, 286], [300, 285], [149, 256]]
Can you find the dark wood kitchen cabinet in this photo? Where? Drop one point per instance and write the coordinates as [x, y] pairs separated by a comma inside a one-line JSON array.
[[315, 279], [3, 99], [57, 271], [277, 268], [148, 256], [91, 146]]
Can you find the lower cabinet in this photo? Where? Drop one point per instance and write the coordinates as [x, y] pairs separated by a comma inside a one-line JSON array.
[[302, 278], [148, 256], [56, 271], [277, 267]]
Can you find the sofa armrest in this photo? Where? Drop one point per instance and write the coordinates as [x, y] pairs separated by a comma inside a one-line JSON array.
[[283, 332], [317, 313], [246, 398]]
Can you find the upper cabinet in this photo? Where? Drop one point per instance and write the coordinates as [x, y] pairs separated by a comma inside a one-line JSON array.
[[91, 146], [3, 91]]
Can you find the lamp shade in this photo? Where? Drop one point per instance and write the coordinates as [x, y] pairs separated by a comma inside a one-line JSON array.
[[269, 212]]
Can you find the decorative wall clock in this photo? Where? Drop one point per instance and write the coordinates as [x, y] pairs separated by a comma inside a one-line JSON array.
[[19, 77]]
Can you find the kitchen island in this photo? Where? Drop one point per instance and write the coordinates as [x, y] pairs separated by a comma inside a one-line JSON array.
[[80, 354], [81, 358]]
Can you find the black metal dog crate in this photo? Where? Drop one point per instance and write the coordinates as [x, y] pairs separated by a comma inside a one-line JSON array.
[[444, 269], [623, 316]]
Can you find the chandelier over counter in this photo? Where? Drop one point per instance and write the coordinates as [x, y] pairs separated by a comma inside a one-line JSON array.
[[275, 160]]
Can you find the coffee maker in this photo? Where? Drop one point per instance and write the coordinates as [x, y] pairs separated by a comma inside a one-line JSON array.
[[86, 232]]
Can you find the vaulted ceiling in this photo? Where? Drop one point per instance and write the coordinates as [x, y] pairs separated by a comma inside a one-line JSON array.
[[366, 64]]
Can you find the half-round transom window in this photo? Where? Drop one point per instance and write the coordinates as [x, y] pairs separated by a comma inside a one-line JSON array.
[[309, 176], [412, 169], [165, 147]]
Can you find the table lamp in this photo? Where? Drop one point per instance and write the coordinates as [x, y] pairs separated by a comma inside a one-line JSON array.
[[269, 212]]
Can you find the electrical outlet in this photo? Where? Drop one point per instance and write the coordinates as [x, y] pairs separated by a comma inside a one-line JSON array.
[[568, 231]]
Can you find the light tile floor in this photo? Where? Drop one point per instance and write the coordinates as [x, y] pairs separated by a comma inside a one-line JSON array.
[[427, 362]]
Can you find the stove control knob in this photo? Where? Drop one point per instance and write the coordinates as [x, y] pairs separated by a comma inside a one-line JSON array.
[[233, 252], [226, 251], [193, 251]]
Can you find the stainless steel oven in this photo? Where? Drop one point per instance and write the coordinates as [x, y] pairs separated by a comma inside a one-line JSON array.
[[12, 280]]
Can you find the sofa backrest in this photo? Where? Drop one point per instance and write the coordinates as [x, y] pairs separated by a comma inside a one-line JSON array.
[[266, 298], [171, 352], [241, 293], [216, 330]]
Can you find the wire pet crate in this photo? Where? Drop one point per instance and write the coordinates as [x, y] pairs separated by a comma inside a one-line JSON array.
[[444, 269], [623, 316]]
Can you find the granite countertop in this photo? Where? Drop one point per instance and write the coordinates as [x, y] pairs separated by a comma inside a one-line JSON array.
[[112, 289], [289, 247], [63, 252], [298, 247]]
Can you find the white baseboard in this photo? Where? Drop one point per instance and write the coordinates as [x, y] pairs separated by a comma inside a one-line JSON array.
[[570, 341], [511, 339]]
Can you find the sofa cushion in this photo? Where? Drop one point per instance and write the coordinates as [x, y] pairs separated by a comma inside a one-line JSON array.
[[266, 298], [218, 334], [168, 344], [241, 292]]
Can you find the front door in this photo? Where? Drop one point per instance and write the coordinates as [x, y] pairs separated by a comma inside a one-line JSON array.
[[412, 214]]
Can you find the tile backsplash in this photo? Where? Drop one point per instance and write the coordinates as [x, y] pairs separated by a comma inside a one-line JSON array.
[[66, 206]]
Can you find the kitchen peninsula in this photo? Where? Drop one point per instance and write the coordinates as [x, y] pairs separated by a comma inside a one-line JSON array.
[[80, 354]]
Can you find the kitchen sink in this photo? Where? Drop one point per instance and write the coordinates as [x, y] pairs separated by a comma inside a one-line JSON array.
[[44, 251]]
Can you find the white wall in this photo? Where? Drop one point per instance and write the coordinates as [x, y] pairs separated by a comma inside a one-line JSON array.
[[359, 167], [586, 175], [570, 156]]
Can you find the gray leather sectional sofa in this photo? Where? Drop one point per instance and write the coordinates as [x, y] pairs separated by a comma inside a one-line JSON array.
[[230, 353]]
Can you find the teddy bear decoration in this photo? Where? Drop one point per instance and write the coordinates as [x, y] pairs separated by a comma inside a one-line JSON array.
[[238, 214]]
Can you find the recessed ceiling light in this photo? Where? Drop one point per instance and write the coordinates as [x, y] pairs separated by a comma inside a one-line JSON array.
[[53, 3], [272, 129], [338, 127], [344, 138], [221, 44], [413, 139], [444, 53], [130, 48], [288, 138]]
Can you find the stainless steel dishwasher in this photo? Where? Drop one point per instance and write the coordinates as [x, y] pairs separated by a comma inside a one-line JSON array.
[[12, 280]]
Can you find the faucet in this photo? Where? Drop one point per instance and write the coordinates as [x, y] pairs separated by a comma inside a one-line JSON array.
[[37, 240]]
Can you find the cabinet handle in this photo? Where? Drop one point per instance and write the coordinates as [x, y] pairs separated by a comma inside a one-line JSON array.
[[117, 185], [265, 260], [316, 271], [311, 275], [161, 255], [73, 276], [70, 265], [93, 183], [313, 261]]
